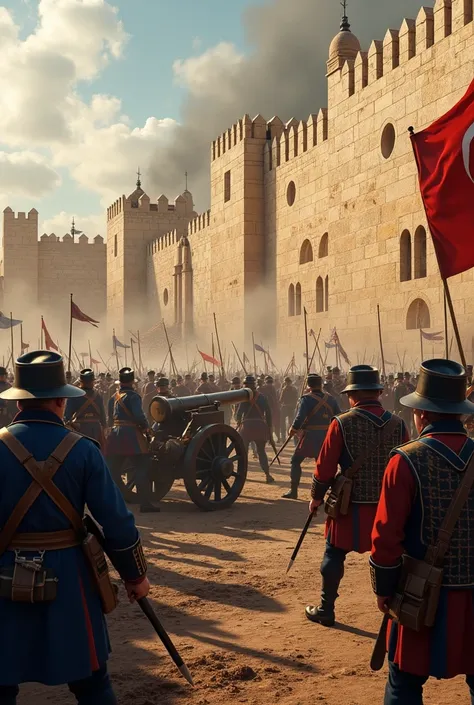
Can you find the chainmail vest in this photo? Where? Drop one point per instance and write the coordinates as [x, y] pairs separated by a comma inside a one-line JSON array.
[[360, 430], [438, 478]]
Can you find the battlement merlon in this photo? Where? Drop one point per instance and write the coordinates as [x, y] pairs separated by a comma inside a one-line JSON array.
[[9, 215], [182, 206], [399, 47], [295, 138], [67, 240]]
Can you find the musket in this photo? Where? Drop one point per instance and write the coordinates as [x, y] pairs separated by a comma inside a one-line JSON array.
[[300, 541], [380, 648], [147, 610]]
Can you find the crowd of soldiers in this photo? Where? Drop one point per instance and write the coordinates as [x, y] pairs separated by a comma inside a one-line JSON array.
[[407, 502]]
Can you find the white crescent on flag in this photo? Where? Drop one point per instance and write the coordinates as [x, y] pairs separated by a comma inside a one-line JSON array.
[[466, 151]]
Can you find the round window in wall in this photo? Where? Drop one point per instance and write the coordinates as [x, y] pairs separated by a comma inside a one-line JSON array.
[[165, 297], [291, 193], [388, 140]]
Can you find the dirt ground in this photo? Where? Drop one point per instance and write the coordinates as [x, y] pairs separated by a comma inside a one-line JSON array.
[[220, 588]]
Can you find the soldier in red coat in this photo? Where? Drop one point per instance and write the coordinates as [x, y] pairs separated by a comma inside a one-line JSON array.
[[418, 487], [366, 432]]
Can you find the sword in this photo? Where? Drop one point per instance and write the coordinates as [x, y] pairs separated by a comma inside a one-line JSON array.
[[150, 614], [146, 608], [277, 456], [380, 647], [274, 448], [300, 541]]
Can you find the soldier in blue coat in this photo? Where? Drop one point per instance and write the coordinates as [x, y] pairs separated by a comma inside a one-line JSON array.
[[128, 438], [313, 416], [7, 408], [87, 414], [64, 640], [254, 422]]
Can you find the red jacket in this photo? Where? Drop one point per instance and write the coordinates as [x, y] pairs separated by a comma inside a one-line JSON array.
[[447, 649]]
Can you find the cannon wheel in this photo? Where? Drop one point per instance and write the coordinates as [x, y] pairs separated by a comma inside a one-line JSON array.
[[161, 481], [215, 467]]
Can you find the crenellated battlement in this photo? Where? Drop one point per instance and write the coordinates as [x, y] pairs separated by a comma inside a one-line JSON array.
[[241, 130], [68, 240], [200, 222], [295, 138], [399, 46], [162, 242], [182, 205], [10, 215]]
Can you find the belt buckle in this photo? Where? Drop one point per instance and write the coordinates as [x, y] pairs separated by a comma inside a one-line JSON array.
[[34, 564]]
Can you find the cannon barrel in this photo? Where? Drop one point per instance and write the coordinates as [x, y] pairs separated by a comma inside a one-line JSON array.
[[163, 409]]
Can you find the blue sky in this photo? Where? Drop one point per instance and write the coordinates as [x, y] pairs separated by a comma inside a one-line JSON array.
[[160, 32]]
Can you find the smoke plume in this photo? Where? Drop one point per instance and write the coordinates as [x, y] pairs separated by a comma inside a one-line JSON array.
[[283, 74]]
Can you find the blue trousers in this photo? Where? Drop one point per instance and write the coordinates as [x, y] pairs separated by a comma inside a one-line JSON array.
[[95, 690], [407, 689], [332, 572]]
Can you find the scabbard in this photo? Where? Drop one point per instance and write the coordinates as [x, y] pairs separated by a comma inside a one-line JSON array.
[[380, 648]]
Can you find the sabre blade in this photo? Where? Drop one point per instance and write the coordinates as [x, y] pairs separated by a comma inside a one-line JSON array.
[[290, 565], [185, 672]]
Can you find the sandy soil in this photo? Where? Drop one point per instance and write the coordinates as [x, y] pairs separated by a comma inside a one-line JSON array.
[[220, 588]]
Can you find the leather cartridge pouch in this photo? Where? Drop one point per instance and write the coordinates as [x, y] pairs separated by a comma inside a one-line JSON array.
[[415, 603], [28, 581], [339, 498], [42, 474]]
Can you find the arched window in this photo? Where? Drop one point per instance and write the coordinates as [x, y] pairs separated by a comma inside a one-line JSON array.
[[326, 293], [418, 315], [324, 246], [319, 295], [298, 300], [306, 252], [420, 253], [405, 256], [291, 300]]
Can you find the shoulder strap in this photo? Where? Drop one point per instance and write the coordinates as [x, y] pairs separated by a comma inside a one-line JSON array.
[[42, 474], [321, 402], [436, 553], [121, 403], [90, 401], [383, 434]]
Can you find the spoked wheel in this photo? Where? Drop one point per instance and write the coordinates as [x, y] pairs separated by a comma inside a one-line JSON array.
[[215, 467], [161, 481]]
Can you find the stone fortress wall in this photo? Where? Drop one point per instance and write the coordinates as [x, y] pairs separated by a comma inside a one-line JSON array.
[[325, 213], [322, 213]]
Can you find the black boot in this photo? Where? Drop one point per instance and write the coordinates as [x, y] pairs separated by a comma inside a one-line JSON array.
[[269, 479], [320, 616], [292, 494]]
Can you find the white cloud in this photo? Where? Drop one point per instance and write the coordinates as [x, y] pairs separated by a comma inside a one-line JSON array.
[[26, 174], [60, 224], [211, 73]]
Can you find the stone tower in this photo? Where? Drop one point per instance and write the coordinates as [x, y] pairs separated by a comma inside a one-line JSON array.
[[132, 224], [20, 258]]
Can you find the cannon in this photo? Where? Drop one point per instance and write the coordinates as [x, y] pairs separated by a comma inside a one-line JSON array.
[[192, 442]]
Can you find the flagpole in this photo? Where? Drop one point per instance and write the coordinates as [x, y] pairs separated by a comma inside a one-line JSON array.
[[70, 334], [219, 347], [42, 334], [90, 355], [239, 359], [140, 363], [254, 358], [306, 339], [11, 333], [421, 345], [115, 350], [103, 361], [381, 343], [203, 360], [213, 352], [445, 326]]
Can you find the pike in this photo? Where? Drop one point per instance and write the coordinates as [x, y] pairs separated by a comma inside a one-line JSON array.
[[300, 541], [148, 611]]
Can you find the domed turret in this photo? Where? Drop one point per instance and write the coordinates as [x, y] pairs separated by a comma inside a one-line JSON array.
[[345, 46]]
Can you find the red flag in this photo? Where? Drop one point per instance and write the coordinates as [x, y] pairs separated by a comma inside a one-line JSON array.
[[209, 358], [48, 341], [80, 316], [94, 362], [445, 158]]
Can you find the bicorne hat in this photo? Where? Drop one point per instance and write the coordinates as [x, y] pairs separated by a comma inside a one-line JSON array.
[[126, 375], [441, 388], [40, 375], [361, 378]]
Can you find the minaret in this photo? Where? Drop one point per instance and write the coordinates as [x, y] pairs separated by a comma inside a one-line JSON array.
[[345, 45]]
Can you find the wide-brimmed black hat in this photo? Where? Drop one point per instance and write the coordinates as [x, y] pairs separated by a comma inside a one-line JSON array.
[[204, 376], [163, 382], [126, 375], [87, 375], [40, 375], [441, 388], [249, 380], [362, 378]]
